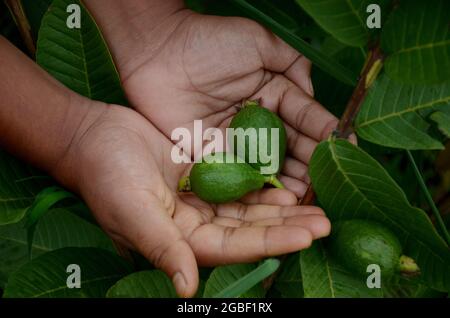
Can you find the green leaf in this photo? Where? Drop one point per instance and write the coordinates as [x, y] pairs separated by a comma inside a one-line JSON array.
[[78, 57], [351, 184], [43, 202], [57, 229], [146, 284], [416, 38], [239, 280], [344, 19], [395, 114], [323, 277], [276, 11], [318, 58], [443, 121], [404, 287], [19, 184], [288, 282], [46, 276]]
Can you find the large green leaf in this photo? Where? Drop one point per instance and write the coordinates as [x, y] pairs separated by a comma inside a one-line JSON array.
[[44, 200], [58, 228], [46, 276], [416, 38], [146, 284], [78, 57], [397, 115], [404, 287], [244, 280], [351, 184], [323, 277], [318, 58], [344, 19], [19, 185], [288, 282]]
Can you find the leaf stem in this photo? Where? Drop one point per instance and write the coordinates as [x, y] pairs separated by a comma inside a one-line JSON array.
[[428, 197]]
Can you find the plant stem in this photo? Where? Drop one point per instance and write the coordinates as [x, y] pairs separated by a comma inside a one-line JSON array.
[[272, 179], [428, 197], [16, 9], [184, 185], [371, 68], [408, 266], [344, 129]]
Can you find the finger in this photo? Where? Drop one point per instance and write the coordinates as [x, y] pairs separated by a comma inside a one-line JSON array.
[[150, 228], [296, 169], [270, 196], [214, 244], [318, 225], [276, 55], [300, 73], [251, 213], [294, 185], [296, 108], [271, 94], [300, 146], [306, 115]]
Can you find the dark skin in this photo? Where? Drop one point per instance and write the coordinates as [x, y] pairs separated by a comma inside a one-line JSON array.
[[118, 159]]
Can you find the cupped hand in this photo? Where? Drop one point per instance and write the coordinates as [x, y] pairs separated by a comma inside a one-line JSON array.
[[124, 172], [201, 67]]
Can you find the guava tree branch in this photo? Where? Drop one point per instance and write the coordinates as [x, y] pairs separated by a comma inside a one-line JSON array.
[[371, 68]]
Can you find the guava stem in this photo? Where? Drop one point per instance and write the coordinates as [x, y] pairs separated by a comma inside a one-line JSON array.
[[184, 185], [408, 266], [272, 179], [250, 103]]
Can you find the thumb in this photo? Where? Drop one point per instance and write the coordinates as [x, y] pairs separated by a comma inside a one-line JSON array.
[[154, 234]]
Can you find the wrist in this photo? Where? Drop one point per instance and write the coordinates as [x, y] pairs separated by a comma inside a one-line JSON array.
[[66, 168], [134, 30]]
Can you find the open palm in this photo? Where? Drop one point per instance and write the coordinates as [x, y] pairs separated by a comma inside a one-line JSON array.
[[126, 176], [207, 65]]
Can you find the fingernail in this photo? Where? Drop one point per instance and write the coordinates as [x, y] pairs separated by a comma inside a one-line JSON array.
[[311, 87], [353, 139], [180, 283]]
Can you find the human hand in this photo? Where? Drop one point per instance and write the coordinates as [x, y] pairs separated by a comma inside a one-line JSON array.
[[121, 166], [200, 67]]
